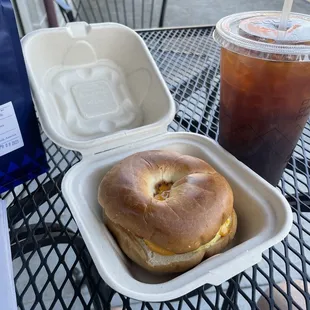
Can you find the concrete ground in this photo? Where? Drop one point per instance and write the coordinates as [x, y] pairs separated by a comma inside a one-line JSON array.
[[178, 12], [181, 13]]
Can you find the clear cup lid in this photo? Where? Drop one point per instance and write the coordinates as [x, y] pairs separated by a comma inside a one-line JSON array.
[[257, 32]]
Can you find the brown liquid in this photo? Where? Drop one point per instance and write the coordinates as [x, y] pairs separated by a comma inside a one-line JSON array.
[[264, 108]]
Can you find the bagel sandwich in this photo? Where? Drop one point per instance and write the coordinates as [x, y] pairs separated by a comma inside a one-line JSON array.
[[167, 211]]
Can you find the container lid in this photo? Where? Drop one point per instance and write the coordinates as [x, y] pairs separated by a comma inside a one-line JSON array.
[[99, 89], [256, 34]]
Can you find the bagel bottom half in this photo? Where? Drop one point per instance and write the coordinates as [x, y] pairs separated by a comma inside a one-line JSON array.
[[137, 250]]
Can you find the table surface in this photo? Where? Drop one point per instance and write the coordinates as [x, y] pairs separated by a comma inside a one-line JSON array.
[[52, 267]]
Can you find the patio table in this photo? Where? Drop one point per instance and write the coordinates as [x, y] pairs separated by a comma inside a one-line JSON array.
[[52, 266]]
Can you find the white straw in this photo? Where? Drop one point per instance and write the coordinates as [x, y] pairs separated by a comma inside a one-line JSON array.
[[287, 7]]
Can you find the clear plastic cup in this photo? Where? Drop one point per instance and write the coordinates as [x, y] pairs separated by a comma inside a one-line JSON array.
[[265, 88]]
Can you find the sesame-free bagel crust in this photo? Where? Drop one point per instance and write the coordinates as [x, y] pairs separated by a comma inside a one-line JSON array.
[[199, 202]]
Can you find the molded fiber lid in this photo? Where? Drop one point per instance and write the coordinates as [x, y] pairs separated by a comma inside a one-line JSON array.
[[96, 87]]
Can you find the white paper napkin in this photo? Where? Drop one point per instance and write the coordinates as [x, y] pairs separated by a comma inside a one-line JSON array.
[[7, 287]]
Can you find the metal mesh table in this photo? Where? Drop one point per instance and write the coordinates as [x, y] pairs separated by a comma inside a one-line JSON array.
[[52, 267]]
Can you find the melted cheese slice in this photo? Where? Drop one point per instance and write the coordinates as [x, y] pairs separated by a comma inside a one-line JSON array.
[[157, 249], [223, 231]]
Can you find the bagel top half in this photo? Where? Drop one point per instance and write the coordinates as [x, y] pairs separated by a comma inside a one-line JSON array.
[[176, 202]]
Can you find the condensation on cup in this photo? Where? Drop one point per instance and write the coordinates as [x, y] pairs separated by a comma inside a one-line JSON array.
[[265, 88]]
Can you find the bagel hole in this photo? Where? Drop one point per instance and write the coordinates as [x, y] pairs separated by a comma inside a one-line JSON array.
[[162, 190]]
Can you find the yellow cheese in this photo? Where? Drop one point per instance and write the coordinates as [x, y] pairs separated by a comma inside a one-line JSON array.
[[163, 191], [225, 228], [162, 187], [223, 231], [157, 249]]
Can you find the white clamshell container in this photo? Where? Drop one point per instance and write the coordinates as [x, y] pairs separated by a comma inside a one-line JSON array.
[[98, 91], [96, 87]]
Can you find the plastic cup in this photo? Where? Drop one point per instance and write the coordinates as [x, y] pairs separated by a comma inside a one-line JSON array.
[[265, 88]]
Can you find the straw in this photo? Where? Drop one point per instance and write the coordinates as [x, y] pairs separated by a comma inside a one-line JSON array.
[[287, 7]]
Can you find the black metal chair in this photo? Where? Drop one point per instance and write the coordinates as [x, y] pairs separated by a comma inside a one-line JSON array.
[[137, 14]]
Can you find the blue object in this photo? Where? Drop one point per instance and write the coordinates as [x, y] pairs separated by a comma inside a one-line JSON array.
[[28, 160]]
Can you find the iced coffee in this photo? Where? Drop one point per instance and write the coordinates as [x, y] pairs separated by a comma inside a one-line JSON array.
[[265, 91]]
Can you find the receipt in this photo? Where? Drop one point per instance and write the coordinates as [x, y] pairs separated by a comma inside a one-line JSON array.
[[10, 136]]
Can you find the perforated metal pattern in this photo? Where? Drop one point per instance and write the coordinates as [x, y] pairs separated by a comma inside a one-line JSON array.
[[52, 267]]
